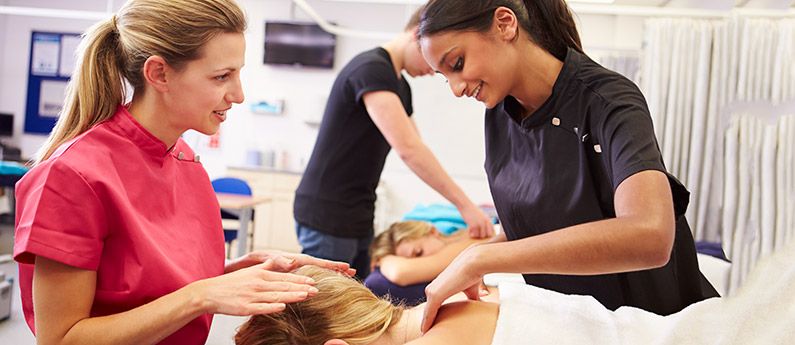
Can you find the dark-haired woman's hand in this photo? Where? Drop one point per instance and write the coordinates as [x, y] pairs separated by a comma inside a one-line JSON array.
[[460, 276]]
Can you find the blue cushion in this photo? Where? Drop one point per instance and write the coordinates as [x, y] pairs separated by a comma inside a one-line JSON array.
[[444, 217], [712, 249], [410, 295], [230, 235]]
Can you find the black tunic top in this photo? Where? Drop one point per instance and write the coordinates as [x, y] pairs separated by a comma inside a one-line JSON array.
[[337, 191], [561, 166]]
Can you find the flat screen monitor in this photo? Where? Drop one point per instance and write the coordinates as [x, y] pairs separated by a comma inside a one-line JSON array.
[[299, 44], [6, 125]]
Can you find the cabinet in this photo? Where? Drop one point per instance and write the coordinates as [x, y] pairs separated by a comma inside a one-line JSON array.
[[274, 226]]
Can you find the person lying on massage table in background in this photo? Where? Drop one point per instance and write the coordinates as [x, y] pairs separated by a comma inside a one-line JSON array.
[[413, 252]]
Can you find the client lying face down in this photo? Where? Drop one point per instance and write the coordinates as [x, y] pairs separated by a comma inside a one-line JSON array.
[[346, 312], [413, 252]]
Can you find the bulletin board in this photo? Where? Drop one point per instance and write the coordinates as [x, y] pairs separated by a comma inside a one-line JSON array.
[[52, 60]]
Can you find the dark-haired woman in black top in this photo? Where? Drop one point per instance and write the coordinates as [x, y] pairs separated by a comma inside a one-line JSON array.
[[574, 168]]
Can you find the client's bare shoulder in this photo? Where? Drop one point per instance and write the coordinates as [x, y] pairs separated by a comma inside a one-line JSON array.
[[464, 322]]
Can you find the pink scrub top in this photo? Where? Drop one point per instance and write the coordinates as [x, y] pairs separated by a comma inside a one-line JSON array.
[[117, 201]]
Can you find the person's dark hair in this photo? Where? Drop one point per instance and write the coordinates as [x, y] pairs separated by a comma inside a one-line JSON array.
[[549, 23], [414, 20]]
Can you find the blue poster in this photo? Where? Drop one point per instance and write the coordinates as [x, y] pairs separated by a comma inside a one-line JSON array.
[[52, 60]]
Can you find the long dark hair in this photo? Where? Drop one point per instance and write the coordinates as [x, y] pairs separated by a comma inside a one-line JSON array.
[[548, 22]]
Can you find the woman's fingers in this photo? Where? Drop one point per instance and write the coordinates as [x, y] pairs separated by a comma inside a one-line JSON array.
[[281, 296], [266, 308], [287, 262], [297, 286], [263, 293], [338, 266], [288, 287], [483, 289], [436, 294], [479, 224], [484, 230], [488, 230], [431, 308], [279, 263], [473, 292], [267, 273], [475, 232], [259, 289]]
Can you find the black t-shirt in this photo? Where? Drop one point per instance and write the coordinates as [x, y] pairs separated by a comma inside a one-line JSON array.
[[561, 166], [337, 192]]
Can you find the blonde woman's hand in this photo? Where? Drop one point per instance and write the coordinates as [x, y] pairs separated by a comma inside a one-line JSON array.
[[285, 262], [253, 290], [460, 276], [478, 222]]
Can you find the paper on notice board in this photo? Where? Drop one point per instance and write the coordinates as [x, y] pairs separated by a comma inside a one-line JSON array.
[[68, 49], [51, 97], [45, 55]]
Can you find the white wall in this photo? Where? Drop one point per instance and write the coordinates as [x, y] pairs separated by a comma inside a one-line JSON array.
[[15, 54], [452, 128]]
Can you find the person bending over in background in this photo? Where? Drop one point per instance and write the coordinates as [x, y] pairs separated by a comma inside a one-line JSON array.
[[367, 114], [118, 231]]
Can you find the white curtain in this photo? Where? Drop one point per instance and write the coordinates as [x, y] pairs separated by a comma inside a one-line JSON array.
[[759, 201], [625, 62], [675, 77], [722, 97]]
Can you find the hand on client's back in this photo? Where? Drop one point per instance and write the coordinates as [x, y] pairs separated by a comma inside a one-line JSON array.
[[479, 224]]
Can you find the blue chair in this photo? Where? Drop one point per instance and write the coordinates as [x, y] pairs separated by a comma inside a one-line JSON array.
[[231, 185]]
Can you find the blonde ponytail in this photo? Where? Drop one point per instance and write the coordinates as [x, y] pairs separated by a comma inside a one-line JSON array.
[[113, 52], [94, 91]]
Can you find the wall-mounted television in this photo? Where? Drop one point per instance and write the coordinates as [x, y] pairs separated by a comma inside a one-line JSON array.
[[298, 44]]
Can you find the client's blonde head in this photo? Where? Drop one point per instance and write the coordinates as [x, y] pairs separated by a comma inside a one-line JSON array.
[[343, 309], [387, 242]]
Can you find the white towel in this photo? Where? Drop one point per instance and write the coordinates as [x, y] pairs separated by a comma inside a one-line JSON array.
[[762, 312]]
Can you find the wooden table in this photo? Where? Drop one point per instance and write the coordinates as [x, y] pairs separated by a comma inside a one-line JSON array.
[[245, 204]]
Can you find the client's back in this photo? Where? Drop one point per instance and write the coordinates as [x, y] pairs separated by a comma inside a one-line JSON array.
[[464, 322]]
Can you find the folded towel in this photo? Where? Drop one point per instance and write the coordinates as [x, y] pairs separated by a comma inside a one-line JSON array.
[[761, 312], [12, 168], [444, 217]]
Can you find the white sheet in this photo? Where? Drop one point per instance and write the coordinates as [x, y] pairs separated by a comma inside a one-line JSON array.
[[762, 312]]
